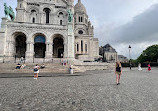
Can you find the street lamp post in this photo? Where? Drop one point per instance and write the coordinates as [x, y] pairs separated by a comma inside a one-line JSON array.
[[130, 65], [103, 59]]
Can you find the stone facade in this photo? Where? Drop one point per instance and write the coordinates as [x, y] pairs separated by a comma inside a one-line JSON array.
[[108, 53], [42, 30], [123, 59]]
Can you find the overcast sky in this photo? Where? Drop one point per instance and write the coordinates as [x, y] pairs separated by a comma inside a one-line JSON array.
[[120, 23]]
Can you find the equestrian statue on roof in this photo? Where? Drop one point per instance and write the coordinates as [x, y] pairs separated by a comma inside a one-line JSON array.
[[9, 12]]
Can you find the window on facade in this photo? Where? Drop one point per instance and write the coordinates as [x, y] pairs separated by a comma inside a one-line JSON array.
[[61, 16], [86, 47], [111, 57], [61, 13], [33, 20], [33, 11], [47, 12], [20, 5], [77, 47], [81, 45], [80, 32], [81, 19], [61, 22], [47, 16]]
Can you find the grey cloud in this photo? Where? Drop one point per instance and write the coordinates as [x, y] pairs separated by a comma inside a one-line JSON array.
[[142, 28], [141, 32]]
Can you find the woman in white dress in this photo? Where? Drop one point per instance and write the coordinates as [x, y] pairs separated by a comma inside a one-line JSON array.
[[71, 69], [36, 71], [139, 67]]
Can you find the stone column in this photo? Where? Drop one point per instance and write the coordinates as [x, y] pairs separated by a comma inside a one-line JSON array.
[[65, 50], [29, 51], [3, 43], [71, 42], [11, 48], [48, 50], [52, 49]]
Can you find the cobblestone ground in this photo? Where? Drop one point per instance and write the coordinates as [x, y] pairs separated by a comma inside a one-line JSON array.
[[90, 91]]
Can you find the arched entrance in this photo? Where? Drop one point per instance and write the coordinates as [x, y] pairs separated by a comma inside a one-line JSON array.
[[39, 46], [20, 45], [58, 47]]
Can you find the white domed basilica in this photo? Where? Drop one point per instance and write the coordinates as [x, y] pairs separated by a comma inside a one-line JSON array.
[[49, 29]]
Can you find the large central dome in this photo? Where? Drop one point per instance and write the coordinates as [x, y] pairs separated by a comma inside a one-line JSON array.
[[79, 7]]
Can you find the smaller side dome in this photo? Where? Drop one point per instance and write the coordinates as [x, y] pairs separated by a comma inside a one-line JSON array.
[[79, 7]]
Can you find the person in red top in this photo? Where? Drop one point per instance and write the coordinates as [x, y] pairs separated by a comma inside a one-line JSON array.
[[149, 67]]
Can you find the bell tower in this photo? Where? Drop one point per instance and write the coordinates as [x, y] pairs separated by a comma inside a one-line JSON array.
[[20, 11]]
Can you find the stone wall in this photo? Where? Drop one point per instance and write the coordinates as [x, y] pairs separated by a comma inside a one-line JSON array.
[[95, 66]]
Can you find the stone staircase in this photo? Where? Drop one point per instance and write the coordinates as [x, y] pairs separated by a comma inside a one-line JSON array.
[[55, 68], [49, 68]]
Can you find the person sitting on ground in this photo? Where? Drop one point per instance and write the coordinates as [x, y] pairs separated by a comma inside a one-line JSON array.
[[18, 66], [22, 66], [42, 66]]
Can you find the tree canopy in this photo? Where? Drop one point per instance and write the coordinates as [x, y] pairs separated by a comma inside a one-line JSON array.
[[149, 55]]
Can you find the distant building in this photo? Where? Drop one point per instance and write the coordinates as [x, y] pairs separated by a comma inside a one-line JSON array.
[[122, 58], [108, 53]]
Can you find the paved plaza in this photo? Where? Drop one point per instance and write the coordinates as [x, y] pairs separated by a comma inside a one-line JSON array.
[[89, 91]]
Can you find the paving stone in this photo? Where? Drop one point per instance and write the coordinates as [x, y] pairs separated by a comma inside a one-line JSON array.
[[88, 91]]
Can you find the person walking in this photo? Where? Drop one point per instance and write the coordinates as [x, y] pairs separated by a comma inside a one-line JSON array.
[[130, 65], [36, 71], [118, 72], [139, 67], [149, 67], [22, 60], [71, 69]]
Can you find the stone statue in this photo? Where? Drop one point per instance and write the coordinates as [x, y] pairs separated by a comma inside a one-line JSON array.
[[9, 12], [70, 16]]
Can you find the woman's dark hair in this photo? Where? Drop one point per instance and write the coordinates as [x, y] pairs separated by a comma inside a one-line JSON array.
[[36, 64]]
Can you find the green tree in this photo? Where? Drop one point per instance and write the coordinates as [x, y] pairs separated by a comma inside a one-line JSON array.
[[149, 55]]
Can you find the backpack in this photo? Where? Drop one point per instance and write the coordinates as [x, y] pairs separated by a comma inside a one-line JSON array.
[[35, 69]]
